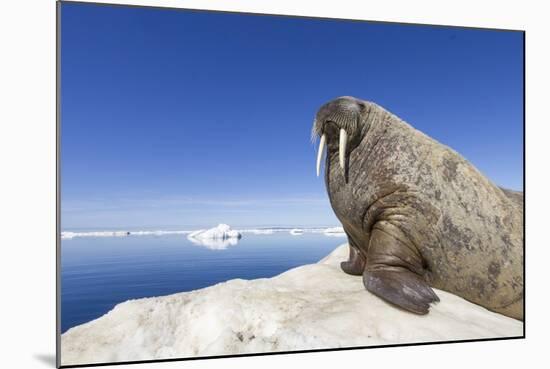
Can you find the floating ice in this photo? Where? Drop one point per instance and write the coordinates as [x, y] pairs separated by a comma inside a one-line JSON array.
[[328, 231], [217, 238], [220, 232], [157, 233], [69, 235], [296, 232], [258, 231], [334, 232]]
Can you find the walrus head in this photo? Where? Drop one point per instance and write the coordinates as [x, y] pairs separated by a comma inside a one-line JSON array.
[[340, 123]]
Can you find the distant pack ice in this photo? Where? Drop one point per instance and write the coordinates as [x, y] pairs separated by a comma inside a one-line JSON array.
[[215, 233]]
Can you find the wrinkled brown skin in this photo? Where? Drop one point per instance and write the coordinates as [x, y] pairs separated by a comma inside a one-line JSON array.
[[418, 215]]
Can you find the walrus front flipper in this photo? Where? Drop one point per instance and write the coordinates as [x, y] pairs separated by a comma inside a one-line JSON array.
[[394, 272], [356, 262], [400, 287]]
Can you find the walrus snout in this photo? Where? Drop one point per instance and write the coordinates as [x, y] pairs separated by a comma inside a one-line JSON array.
[[342, 115]]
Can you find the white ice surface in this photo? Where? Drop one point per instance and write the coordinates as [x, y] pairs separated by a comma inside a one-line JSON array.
[[310, 307]]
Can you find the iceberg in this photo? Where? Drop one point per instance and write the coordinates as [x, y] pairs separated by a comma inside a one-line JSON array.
[[314, 306], [217, 238], [220, 232]]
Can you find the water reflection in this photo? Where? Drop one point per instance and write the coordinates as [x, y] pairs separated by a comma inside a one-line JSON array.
[[214, 243]]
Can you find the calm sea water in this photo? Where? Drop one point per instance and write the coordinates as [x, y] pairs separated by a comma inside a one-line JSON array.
[[99, 272]]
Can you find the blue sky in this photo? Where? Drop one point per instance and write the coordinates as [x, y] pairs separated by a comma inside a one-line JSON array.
[[181, 118]]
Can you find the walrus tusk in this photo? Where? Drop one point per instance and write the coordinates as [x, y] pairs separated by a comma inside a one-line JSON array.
[[320, 153], [342, 147]]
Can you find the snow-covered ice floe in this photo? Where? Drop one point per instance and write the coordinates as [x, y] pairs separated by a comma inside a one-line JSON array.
[[314, 306], [217, 238]]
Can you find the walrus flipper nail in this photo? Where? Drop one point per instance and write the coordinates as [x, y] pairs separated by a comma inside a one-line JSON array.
[[400, 287]]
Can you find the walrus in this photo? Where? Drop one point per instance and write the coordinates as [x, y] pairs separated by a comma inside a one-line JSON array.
[[417, 214]]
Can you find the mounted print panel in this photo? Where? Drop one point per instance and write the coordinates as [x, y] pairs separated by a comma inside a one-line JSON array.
[[242, 184]]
